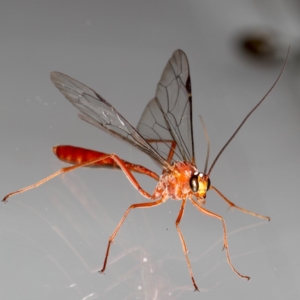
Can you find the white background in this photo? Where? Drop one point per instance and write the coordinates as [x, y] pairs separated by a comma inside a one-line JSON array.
[[53, 239]]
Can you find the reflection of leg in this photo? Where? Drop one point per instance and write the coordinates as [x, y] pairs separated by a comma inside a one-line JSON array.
[[184, 247], [112, 237], [231, 204], [211, 214]]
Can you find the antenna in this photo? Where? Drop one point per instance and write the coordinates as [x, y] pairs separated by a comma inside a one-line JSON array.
[[249, 114]]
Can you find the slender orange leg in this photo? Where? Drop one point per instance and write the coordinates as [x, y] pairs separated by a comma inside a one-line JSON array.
[[118, 160], [231, 204], [112, 237], [211, 214], [172, 148], [184, 247]]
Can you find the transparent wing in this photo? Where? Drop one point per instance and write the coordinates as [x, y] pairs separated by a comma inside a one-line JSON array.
[[166, 122], [98, 112]]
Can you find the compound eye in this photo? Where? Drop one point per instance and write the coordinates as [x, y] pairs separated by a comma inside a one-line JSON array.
[[194, 183], [208, 184]]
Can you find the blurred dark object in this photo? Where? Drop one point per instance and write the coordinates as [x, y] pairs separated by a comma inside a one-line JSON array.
[[268, 48], [260, 45]]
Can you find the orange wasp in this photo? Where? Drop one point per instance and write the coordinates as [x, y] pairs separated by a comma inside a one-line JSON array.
[[164, 132]]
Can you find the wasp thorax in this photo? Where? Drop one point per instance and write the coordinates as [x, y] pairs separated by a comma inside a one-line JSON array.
[[200, 184]]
